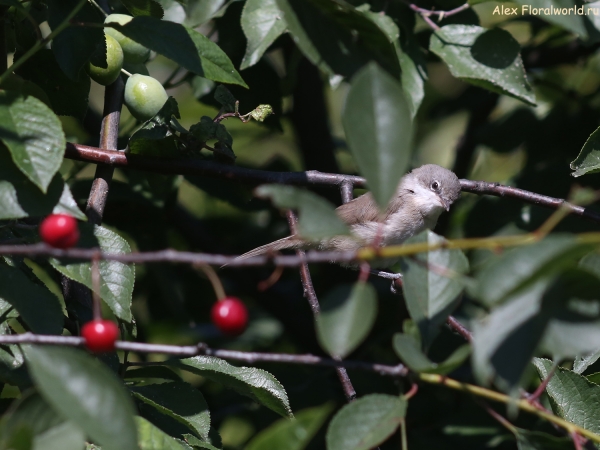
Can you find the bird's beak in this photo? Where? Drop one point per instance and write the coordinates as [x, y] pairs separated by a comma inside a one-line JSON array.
[[445, 203]]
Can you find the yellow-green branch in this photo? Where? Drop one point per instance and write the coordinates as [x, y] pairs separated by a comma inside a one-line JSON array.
[[502, 398]]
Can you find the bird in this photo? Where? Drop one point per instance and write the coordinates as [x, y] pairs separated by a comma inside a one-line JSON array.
[[420, 198]]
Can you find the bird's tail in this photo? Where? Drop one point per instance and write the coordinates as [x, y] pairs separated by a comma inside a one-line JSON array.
[[287, 243]]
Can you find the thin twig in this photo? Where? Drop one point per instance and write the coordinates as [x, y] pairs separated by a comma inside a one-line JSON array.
[[313, 301]]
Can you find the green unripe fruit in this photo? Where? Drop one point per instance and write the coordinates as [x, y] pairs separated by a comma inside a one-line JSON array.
[[114, 60], [144, 96], [134, 52]]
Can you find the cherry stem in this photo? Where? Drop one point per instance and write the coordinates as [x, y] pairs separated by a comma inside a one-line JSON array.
[[97, 309], [213, 278]]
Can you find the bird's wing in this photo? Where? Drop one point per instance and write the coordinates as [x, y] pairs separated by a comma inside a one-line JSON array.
[[369, 210], [365, 204]]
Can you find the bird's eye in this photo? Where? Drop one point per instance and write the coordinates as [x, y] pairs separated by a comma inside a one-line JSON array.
[[435, 185]]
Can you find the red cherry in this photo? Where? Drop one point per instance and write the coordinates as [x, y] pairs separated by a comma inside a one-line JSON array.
[[100, 335], [59, 230], [230, 316]]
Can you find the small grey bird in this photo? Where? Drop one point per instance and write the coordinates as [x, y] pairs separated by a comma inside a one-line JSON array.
[[421, 197]]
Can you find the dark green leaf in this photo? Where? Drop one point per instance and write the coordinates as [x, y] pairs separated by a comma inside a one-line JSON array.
[[34, 136], [326, 30], [262, 22], [432, 284], [74, 45], [574, 398], [347, 316], [286, 434], [67, 97], [150, 372], [116, 278], [485, 58], [183, 45], [365, 423], [536, 440], [34, 412], [588, 160], [255, 383], [144, 8], [19, 197], [152, 438], [317, 217], [505, 341], [522, 266], [93, 398], [38, 307], [378, 126], [156, 141], [204, 130], [180, 401], [225, 98], [408, 349]]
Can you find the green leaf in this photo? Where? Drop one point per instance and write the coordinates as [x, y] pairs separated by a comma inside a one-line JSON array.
[[200, 12], [153, 438], [34, 136], [505, 341], [74, 45], [183, 45], [317, 217], [66, 436], [431, 295], [116, 278], [255, 383], [144, 8], [325, 31], [583, 362], [38, 307], [573, 397], [20, 438], [588, 160], [180, 401], [408, 349], [536, 440], [197, 443], [93, 397], [286, 434], [522, 266], [67, 97], [365, 423], [347, 316], [410, 57], [570, 22], [560, 315], [32, 411], [485, 58], [262, 22], [414, 72], [378, 126]]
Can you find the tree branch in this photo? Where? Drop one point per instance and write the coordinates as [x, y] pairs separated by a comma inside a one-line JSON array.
[[194, 166]]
